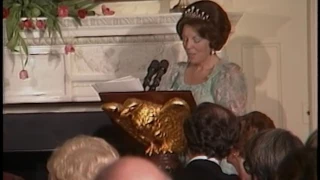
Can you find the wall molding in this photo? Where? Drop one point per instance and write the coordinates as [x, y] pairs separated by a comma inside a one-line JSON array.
[[313, 62]]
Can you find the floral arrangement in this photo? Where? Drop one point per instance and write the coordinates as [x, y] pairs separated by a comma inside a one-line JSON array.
[[42, 15]]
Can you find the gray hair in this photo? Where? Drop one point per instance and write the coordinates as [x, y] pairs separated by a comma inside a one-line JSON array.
[[265, 150], [312, 140]]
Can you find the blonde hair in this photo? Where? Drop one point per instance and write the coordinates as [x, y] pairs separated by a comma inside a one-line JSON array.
[[80, 158]]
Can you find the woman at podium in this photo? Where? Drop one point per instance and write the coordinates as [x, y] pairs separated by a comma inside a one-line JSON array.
[[204, 29]]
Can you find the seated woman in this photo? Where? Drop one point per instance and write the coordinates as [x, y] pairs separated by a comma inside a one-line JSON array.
[[81, 158], [250, 124], [204, 29], [210, 132], [265, 151]]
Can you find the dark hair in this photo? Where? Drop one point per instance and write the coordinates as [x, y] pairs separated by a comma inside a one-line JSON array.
[[300, 164], [211, 130], [251, 124], [312, 140], [216, 29], [265, 151]]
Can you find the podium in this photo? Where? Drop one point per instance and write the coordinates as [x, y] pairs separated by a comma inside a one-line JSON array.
[[159, 97], [167, 161]]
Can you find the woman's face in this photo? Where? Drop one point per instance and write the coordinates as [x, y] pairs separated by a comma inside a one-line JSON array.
[[196, 47]]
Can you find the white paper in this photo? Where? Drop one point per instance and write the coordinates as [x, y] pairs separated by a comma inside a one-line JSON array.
[[124, 84], [123, 79]]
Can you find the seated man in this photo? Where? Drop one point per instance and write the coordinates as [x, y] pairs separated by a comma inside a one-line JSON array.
[[80, 158], [299, 164], [210, 132], [265, 151], [312, 140]]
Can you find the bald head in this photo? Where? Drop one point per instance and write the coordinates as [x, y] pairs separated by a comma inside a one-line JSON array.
[[132, 168]]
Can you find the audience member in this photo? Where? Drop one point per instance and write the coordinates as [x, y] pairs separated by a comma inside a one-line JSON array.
[[80, 158], [210, 132], [132, 168], [265, 150], [9, 176], [300, 164], [250, 124], [312, 140]]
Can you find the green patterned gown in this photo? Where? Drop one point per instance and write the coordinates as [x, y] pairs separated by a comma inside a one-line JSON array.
[[225, 86]]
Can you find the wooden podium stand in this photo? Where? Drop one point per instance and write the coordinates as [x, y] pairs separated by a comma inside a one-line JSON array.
[[159, 97], [168, 162]]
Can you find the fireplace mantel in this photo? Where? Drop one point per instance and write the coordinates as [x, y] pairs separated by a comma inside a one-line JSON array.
[[106, 47]]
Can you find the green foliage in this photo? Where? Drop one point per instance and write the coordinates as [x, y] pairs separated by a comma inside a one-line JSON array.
[[39, 8]]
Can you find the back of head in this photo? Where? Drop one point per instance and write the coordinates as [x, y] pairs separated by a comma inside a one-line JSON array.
[[211, 130], [251, 124], [80, 158], [9, 176], [300, 164], [132, 168], [210, 21], [312, 140], [265, 151], [257, 120]]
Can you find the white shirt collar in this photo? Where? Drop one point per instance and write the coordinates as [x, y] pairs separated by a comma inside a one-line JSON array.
[[204, 157], [214, 160]]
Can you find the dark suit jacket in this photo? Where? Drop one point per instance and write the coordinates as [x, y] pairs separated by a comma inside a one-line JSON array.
[[202, 170]]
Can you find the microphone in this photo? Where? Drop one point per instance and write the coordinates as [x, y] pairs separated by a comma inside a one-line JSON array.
[[152, 70], [164, 64]]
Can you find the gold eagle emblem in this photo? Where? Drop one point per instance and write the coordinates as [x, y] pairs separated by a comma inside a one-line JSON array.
[[159, 127]]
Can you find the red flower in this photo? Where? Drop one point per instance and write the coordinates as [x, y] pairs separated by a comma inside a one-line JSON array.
[[28, 24], [23, 74], [5, 13], [68, 49], [63, 11], [106, 10], [40, 24], [82, 13]]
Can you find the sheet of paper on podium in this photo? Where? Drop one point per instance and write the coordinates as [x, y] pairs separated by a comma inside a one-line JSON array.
[[124, 84]]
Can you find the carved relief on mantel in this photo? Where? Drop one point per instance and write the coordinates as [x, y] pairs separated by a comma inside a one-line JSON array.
[[101, 63], [46, 82], [105, 48], [120, 26]]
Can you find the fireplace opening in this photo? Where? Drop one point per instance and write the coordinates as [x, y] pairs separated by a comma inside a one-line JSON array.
[[29, 139], [29, 165]]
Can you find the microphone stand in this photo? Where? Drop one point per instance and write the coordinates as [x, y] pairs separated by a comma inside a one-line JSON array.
[[155, 84], [150, 86], [152, 70], [157, 79]]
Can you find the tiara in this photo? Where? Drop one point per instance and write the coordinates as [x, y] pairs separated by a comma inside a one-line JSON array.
[[196, 13]]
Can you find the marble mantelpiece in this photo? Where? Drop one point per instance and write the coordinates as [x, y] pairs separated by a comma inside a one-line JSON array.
[[105, 48]]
